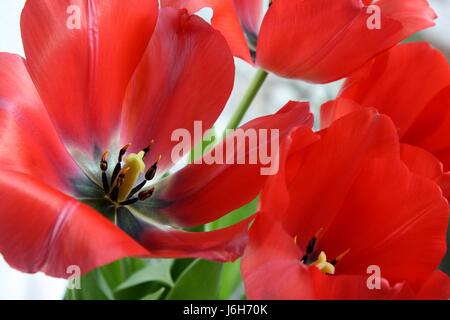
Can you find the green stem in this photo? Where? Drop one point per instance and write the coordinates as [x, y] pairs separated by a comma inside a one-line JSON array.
[[248, 98]]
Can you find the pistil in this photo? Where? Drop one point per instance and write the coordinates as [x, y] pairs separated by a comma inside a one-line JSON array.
[[136, 166]]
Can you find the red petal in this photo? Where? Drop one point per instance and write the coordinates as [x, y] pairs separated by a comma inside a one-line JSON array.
[[28, 141], [271, 266], [272, 270], [383, 222], [436, 287], [225, 244], [225, 19], [389, 85], [250, 13], [42, 229], [431, 125], [425, 164], [349, 142], [201, 193], [420, 108], [82, 74], [186, 75], [336, 109], [330, 39], [372, 206]]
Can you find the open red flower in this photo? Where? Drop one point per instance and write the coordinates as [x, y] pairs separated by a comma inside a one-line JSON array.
[[411, 84], [113, 80], [314, 40], [342, 205]]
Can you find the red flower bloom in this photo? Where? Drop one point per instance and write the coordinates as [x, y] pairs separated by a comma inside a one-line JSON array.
[[342, 204], [113, 81], [314, 40], [418, 102]]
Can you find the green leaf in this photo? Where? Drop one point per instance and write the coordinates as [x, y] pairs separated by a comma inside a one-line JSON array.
[[179, 265], [99, 284], [200, 281], [103, 285], [231, 281], [155, 295], [156, 270]]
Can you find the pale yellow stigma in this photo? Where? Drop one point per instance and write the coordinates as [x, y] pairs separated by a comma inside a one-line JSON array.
[[323, 265], [136, 166]]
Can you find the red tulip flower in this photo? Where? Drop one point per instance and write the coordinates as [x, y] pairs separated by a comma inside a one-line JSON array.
[[411, 84], [343, 208], [85, 130], [314, 40]]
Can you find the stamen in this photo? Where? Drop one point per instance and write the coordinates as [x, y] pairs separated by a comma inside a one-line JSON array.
[[137, 188], [119, 182], [311, 245], [118, 166], [123, 151], [104, 168], [148, 148], [120, 188], [339, 257], [104, 162], [143, 195], [151, 172], [116, 171]]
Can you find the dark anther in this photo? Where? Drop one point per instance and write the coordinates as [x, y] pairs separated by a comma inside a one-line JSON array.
[[311, 245], [123, 151], [309, 249], [304, 258], [118, 166], [129, 201], [150, 174], [148, 148], [104, 162], [143, 195], [104, 168]]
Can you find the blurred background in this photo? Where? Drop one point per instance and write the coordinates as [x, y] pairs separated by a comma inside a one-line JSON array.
[[274, 94]]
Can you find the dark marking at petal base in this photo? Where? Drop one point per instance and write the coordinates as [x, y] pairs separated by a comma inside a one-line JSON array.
[[129, 223]]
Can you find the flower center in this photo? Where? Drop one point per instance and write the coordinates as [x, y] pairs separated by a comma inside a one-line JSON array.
[[121, 187], [320, 261]]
